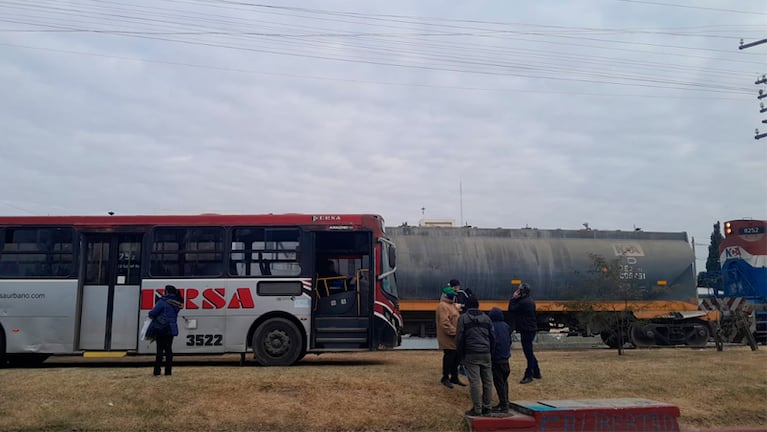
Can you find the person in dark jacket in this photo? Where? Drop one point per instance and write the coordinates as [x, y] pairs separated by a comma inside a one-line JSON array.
[[500, 359], [164, 316], [460, 301], [522, 313], [475, 340]]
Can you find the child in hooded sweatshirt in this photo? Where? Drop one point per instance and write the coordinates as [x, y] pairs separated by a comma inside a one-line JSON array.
[[500, 358]]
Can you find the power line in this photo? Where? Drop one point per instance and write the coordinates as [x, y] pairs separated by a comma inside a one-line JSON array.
[[572, 33], [469, 62], [751, 44], [693, 7], [453, 69], [8, 204], [453, 45], [357, 81]]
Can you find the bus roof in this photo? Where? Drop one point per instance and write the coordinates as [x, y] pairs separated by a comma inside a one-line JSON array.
[[371, 221]]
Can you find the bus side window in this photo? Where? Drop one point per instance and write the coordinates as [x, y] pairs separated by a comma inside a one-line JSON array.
[[237, 264], [156, 268], [9, 269], [36, 252], [264, 266]]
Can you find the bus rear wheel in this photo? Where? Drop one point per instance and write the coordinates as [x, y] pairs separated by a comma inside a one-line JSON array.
[[277, 342]]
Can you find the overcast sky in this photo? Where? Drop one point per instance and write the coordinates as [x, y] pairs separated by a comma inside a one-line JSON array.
[[548, 114]]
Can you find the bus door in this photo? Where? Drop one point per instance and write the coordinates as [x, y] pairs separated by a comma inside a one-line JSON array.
[[342, 291], [111, 288]]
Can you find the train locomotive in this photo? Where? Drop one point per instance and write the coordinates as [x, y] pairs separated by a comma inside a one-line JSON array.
[[743, 288], [631, 286]]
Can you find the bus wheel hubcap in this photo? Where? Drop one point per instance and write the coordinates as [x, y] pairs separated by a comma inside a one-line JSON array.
[[277, 343]]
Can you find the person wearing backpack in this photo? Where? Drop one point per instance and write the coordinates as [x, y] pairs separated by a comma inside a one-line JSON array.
[[164, 317]]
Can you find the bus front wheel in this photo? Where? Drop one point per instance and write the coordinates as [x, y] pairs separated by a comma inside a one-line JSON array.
[[277, 342]]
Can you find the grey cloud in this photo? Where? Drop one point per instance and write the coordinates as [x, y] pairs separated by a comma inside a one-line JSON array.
[[255, 132]]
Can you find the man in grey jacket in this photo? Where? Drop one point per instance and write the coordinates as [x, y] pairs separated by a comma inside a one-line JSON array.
[[475, 339]]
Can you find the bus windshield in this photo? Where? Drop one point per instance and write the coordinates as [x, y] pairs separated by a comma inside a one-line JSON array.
[[389, 266]]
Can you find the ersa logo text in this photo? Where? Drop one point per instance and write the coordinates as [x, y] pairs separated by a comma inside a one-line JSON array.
[[208, 298], [331, 218]]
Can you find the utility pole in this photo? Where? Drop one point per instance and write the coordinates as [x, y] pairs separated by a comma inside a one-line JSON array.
[[750, 44], [762, 109], [759, 81], [460, 204]]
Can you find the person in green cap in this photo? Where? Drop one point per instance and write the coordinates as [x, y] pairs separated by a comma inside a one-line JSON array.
[[446, 323]]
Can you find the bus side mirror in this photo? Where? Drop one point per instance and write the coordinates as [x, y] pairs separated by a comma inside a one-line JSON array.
[[392, 256]]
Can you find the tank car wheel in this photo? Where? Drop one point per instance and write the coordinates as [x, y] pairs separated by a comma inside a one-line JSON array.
[[642, 335], [610, 338], [697, 335], [277, 342]]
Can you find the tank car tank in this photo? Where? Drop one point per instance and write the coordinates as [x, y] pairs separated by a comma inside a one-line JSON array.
[[652, 276]]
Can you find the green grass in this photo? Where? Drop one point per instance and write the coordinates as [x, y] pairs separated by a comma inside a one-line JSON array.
[[395, 390]]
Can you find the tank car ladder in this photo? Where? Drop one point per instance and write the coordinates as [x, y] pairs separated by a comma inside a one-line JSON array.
[[743, 324], [734, 320]]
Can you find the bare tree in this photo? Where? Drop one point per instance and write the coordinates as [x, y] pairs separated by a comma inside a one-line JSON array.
[[606, 296]]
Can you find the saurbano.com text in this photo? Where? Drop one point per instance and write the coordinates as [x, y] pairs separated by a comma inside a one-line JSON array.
[[22, 296]]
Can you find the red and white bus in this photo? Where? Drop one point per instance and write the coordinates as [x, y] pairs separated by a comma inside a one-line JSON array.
[[250, 284]]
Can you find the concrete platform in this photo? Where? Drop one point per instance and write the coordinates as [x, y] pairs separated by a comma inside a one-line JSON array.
[[542, 341], [624, 414]]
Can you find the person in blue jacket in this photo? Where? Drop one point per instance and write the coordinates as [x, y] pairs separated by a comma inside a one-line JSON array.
[[164, 327]]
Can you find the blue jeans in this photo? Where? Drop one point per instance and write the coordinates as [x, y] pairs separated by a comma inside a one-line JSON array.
[[480, 372], [527, 347]]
